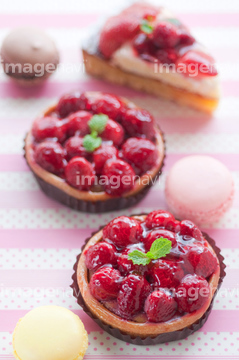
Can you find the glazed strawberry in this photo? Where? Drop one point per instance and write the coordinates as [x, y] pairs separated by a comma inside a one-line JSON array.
[[105, 283], [100, 254], [166, 56], [126, 266], [108, 104], [51, 157], [186, 38], [165, 35], [161, 218], [123, 231], [116, 31], [49, 127], [101, 155], [113, 132], [196, 64], [78, 123], [156, 234], [74, 147], [71, 103], [160, 306], [141, 43], [79, 173], [189, 230], [119, 177], [139, 123], [192, 294], [142, 154], [132, 295], [201, 258], [166, 273]]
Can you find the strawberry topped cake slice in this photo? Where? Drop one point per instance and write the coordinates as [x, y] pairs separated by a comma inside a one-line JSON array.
[[147, 48]]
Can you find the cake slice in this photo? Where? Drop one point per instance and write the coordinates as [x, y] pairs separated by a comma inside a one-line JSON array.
[[148, 49]]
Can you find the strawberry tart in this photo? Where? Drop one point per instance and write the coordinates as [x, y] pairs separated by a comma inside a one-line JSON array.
[[95, 152], [147, 48], [148, 279]]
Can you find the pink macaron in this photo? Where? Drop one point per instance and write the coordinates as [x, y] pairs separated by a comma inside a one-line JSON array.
[[199, 188]]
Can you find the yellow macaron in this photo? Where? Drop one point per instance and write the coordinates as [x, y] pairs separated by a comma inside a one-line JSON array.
[[50, 333]]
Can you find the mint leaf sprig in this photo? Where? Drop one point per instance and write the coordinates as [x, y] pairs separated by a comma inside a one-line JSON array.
[[97, 125], [146, 27], [160, 248]]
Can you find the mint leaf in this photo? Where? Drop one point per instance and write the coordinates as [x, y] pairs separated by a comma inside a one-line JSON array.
[[146, 27], [174, 21], [139, 258], [98, 122], [159, 248], [91, 143]]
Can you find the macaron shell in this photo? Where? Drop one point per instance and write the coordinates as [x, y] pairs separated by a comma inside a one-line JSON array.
[[199, 188], [50, 333]]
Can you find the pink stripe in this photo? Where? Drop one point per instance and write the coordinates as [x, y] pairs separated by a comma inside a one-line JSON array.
[[84, 20], [218, 321], [230, 88], [12, 162], [74, 238]]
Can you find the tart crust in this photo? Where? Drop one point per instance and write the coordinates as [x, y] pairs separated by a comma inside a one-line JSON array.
[[133, 329], [58, 187], [101, 68]]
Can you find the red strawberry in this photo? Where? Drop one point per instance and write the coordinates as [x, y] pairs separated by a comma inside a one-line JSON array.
[[192, 294], [116, 31], [119, 177], [49, 127], [126, 266], [166, 273], [51, 157], [139, 123], [113, 132], [132, 295], [141, 43], [142, 154], [69, 103], [186, 38], [123, 231], [160, 306], [189, 230], [202, 260], [156, 234], [196, 64], [166, 56], [102, 154], [78, 123], [79, 173], [165, 35], [74, 147], [100, 254], [108, 104], [162, 219], [105, 284]]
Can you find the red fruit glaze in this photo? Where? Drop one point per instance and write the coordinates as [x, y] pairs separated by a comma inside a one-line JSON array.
[[116, 31], [113, 132], [166, 273], [79, 173], [189, 230], [69, 103], [165, 35], [123, 231], [139, 123], [160, 306], [119, 177], [196, 64], [49, 127], [161, 218], [126, 266], [166, 56], [51, 157], [74, 147], [100, 254], [132, 295], [192, 294], [102, 154], [141, 43], [156, 234], [108, 104], [142, 154], [201, 258], [78, 123], [105, 283]]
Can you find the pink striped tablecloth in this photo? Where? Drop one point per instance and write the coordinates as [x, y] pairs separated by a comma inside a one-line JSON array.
[[39, 239]]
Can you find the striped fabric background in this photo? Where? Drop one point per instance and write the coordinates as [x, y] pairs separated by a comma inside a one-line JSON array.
[[39, 239]]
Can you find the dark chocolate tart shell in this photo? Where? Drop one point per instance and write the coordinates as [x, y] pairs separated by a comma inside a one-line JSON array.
[[114, 203], [161, 338]]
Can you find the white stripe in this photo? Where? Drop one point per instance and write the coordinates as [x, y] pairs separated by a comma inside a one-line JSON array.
[[17, 181], [176, 143], [69, 219]]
